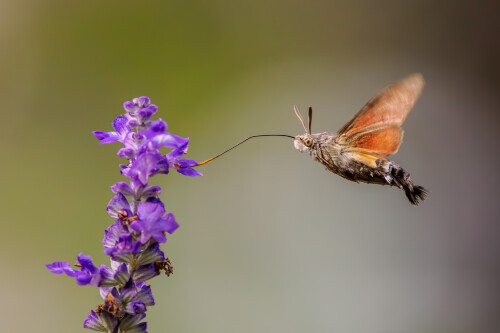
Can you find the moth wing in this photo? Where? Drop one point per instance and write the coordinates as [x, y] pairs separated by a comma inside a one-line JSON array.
[[383, 141], [363, 156], [388, 108]]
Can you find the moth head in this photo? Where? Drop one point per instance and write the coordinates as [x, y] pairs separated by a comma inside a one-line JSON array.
[[304, 142]]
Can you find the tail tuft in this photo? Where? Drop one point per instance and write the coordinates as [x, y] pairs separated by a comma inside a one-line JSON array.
[[415, 194]]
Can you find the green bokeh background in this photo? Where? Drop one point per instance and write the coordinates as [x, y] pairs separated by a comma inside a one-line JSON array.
[[269, 241]]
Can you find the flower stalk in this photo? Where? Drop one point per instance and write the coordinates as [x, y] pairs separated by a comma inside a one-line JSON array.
[[141, 221]]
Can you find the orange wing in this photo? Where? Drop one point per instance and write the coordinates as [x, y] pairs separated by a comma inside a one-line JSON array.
[[388, 108], [384, 141]]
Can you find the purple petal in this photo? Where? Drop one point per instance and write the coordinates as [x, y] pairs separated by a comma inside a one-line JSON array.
[[171, 223], [119, 124], [151, 224], [122, 275], [130, 107], [104, 291], [108, 320], [59, 267], [93, 322], [146, 296], [151, 191], [104, 277], [113, 233], [123, 188], [189, 172], [168, 140], [150, 255], [132, 123], [142, 101], [180, 150], [151, 209], [183, 166], [126, 153], [153, 108], [142, 328], [86, 263], [157, 235], [131, 324], [156, 127], [144, 166], [100, 135], [144, 114], [145, 272], [116, 204], [106, 137], [136, 307], [83, 279]]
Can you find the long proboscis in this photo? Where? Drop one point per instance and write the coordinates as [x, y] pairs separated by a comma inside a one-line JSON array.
[[236, 145]]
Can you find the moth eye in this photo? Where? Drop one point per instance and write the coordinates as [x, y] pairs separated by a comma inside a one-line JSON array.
[[308, 142]]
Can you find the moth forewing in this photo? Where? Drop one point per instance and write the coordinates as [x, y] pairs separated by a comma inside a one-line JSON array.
[[389, 107]]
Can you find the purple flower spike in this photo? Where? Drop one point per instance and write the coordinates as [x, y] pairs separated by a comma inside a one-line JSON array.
[[140, 221]]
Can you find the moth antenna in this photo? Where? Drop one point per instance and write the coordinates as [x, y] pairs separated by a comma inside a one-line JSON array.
[[309, 119], [297, 112], [236, 145]]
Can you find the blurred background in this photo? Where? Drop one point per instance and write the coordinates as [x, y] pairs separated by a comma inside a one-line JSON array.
[[269, 241]]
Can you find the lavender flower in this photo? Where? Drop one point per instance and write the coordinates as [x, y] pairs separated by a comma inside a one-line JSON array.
[[141, 221]]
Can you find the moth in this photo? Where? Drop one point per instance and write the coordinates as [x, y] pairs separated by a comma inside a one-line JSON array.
[[359, 150]]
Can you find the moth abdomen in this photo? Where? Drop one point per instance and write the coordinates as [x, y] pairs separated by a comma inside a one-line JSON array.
[[416, 194], [399, 177]]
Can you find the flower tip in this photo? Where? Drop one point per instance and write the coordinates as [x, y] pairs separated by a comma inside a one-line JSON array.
[[130, 107], [142, 101], [100, 135]]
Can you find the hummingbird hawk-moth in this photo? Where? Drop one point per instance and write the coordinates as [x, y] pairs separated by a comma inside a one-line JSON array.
[[359, 150]]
